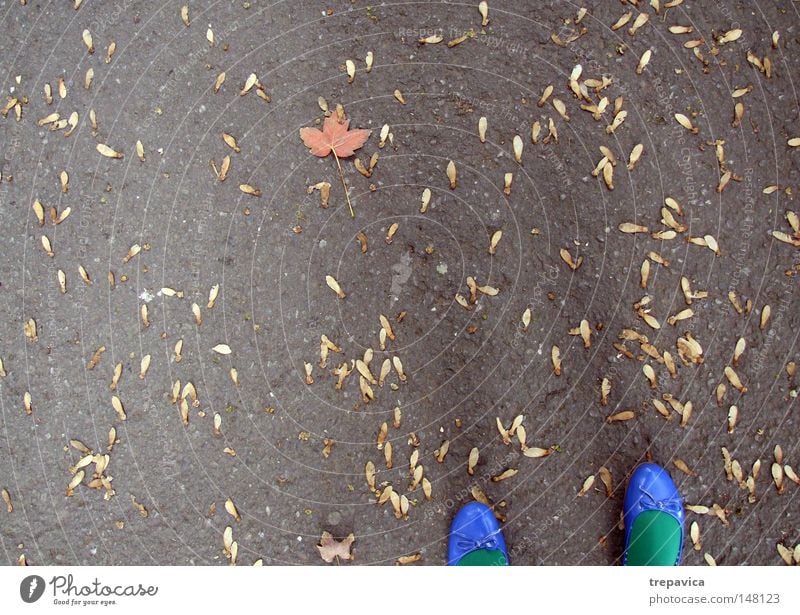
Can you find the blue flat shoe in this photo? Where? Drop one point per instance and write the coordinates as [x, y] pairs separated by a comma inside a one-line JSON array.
[[476, 538], [654, 518]]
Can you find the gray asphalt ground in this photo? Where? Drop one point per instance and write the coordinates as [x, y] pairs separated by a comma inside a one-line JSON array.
[[161, 498]]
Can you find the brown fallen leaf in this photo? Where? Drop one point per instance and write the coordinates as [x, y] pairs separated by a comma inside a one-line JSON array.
[[330, 549]]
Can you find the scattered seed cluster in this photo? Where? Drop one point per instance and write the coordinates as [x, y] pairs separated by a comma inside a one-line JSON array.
[[666, 348]]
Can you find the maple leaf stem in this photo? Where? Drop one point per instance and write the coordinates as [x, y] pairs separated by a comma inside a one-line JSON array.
[[344, 185]]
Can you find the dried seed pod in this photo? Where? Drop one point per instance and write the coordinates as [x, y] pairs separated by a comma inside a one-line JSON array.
[[105, 150], [650, 374], [116, 376], [585, 333], [223, 349], [350, 66], [605, 389], [399, 97], [212, 296], [231, 509], [383, 432], [608, 176], [433, 39], [682, 315], [787, 555], [625, 415], [526, 319], [38, 210], [536, 129], [451, 174], [738, 114], [644, 273], [630, 227], [391, 232], [522, 436], [47, 246], [427, 489], [384, 134], [251, 190], [496, 236], [368, 61], [483, 9], [719, 392], [586, 486], [426, 199], [386, 366], [567, 258], [363, 369], [643, 61], [738, 350], [766, 311], [709, 559], [686, 123], [683, 467], [517, 146], [472, 461], [441, 452], [369, 473], [635, 155], [144, 314], [605, 478], [387, 455], [694, 532], [62, 281], [334, 286], [87, 41], [536, 452], [555, 357], [619, 118], [729, 36], [116, 403], [641, 19], [503, 432], [733, 416], [506, 474], [622, 21], [777, 477], [219, 81], [112, 48], [561, 108], [178, 349], [733, 378], [77, 479], [398, 366]]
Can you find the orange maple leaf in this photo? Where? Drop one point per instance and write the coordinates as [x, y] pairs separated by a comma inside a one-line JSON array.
[[335, 137]]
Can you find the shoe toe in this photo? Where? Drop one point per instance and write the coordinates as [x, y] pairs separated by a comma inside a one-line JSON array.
[[473, 523], [651, 488]]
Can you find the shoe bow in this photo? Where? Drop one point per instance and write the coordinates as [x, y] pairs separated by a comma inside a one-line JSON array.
[[468, 544], [670, 505]]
